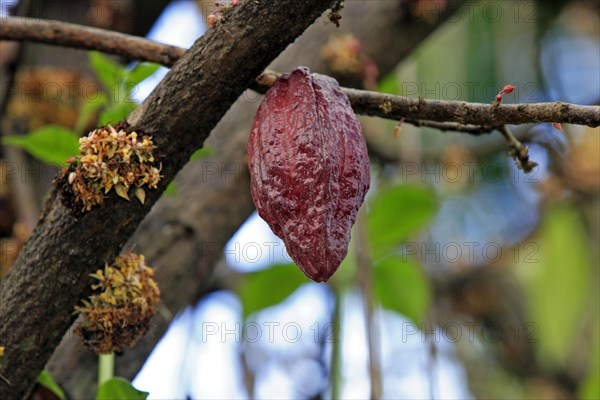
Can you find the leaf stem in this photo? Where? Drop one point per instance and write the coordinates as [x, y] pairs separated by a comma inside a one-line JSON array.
[[106, 367]]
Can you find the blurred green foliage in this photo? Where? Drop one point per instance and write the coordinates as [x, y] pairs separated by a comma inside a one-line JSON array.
[[557, 282], [51, 144], [396, 212], [54, 144], [401, 285], [119, 389], [120, 83], [45, 379], [269, 287]]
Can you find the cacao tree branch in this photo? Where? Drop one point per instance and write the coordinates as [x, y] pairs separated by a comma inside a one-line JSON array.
[[472, 118], [83, 37], [464, 113], [51, 273], [183, 239], [184, 235], [518, 150]]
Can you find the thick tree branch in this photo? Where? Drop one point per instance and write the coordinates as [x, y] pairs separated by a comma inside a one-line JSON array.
[[182, 238], [51, 273], [197, 223], [473, 118]]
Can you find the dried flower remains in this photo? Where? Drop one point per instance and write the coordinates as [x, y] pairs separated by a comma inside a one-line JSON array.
[[112, 159], [119, 312]]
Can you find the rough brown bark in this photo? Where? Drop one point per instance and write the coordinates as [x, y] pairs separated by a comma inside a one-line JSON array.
[[183, 239], [179, 231], [461, 116], [83, 37], [65, 59], [51, 273], [397, 107]]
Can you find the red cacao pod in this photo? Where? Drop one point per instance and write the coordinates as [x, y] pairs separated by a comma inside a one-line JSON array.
[[309, 169]]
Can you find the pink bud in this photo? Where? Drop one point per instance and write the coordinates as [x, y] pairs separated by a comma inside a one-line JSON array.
[[556, 125], [508, 89], [397, 128], [211, 19], [499, 98]]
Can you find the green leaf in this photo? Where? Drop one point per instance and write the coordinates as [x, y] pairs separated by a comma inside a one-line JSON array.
[[397, 212], [590, 386], [171, 190], [51, 143], [389, 84], [270, 286], [345, 276], [108, 72], [402, 286], [116, 112], [87, 110], [203, 152], [46, 380], [119, 389], [555, 272], [140, 72], [481, 58]]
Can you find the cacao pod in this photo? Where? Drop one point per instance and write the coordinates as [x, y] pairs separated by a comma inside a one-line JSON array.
[[309, 169]]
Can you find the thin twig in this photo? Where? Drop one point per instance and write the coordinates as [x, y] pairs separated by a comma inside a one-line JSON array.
[[431, 368], [460, 116], [464, 113], [335, 371], [82, 37], [518, 151], [5, 380], [452, 126], [472, 118]]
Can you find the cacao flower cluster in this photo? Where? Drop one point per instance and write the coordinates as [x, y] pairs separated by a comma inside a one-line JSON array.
[[112, 159], [309, 169], [119, 313]]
